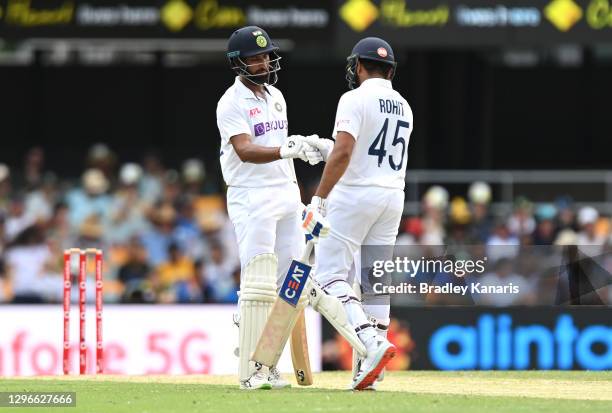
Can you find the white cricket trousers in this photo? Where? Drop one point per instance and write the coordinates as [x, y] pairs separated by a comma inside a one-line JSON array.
[[357, 216], [267, 220]]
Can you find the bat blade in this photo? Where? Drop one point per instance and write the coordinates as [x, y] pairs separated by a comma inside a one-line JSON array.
[[284, 313], [272, 341], [299, 352]]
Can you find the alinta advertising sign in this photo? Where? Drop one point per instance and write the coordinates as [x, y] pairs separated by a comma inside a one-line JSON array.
[[139, 18]]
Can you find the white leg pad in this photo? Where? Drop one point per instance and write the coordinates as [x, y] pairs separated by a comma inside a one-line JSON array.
[[257, 294], [333, 310]]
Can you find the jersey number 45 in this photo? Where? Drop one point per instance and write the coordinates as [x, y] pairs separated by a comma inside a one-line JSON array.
[[378, 146]]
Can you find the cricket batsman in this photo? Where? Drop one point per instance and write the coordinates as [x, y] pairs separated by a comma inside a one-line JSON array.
[[263, 198], [361, 193]]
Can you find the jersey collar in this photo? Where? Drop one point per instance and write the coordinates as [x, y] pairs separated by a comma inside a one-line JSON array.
[[245, 92], [377, 81]]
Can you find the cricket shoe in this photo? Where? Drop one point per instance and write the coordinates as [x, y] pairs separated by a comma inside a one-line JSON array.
[[257, 381], [378, 356], [358, 370], [276, 380]]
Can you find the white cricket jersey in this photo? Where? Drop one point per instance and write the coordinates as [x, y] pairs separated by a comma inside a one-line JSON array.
[[240, 111], [380, 120]]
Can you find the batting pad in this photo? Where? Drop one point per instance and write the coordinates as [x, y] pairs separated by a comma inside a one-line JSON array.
[[333, 310], [257, 294]]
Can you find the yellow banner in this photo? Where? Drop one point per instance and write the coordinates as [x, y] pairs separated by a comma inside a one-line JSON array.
[[21, 13]]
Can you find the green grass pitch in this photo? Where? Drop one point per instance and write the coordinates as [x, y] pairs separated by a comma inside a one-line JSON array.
[[414, 392]]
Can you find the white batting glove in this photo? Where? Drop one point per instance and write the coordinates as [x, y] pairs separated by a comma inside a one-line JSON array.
[[293, 147], [320, 204], [313, 218], [313, 155], [324, 146]]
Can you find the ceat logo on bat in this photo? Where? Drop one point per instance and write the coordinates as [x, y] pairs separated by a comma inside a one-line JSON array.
[[294, 282]]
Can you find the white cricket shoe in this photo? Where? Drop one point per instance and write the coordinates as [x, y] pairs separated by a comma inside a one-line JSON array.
[[372, 386], [276, 380], [379, 354], [257, 381]]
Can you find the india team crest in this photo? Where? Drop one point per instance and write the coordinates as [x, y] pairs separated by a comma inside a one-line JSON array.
[[261, 41], [278, 107]]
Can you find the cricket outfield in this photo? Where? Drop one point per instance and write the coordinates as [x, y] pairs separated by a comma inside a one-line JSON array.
[[473, 392]]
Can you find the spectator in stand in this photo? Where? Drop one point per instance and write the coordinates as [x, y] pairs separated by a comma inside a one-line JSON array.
[[502, 244], [89, 200], [161, 234], [545, 233], [503, 275], [6, 291], [127, 210], [411, 231], [58, 227], [188, 234], [101, 157], [91, 234], [17, 220], [176, 279], [152, 180], [171, 190], [481, 227], [32, 175], [566, 217], [26, 260], [39, 202], [135, 274], [459, 218], [589, 241], [2, 235], [521, 223], [218, 275], [193, 176], [5, 189], [435, 202]]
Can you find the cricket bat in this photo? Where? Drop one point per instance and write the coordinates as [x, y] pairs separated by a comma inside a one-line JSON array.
[[299, 352], [283, 317]]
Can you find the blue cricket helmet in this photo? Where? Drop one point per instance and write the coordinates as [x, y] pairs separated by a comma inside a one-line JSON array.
[[251, 41], [370, 48]]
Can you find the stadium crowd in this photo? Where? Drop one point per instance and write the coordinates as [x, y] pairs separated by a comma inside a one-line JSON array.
[[166, 236]]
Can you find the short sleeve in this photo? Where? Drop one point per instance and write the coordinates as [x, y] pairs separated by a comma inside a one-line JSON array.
[[348, 116], [231, 121]]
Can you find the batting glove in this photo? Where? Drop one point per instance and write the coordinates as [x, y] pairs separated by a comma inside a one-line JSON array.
[[324, 146], [313, 155], [293, 147], [313, 218]]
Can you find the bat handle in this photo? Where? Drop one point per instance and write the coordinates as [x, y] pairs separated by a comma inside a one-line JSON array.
[[307, 251]]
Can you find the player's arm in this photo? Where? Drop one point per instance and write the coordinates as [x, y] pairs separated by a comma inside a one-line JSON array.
[[233, 124], [293, 147], [247, 151], [337, 163]]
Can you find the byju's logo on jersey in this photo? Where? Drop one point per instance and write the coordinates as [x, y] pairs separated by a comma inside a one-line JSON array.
[[264, 127]]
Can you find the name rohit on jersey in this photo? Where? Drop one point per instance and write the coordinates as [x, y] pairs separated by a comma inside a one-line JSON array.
[[264, 127], [392, 107]]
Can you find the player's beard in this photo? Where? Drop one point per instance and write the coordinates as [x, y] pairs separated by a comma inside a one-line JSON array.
[[261, 78]]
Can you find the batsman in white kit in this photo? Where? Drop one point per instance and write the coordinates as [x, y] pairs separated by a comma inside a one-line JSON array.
[[263, 197], [361, 193], [265, 208]]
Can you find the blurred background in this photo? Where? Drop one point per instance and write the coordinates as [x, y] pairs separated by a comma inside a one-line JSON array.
[[109, 138]]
